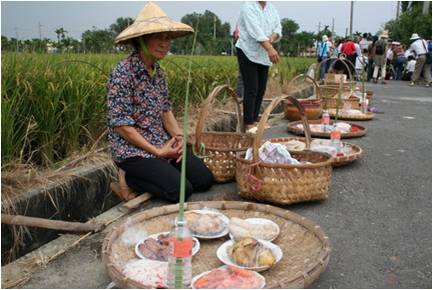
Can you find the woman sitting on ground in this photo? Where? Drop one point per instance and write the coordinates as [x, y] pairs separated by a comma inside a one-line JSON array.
[[145, 139]]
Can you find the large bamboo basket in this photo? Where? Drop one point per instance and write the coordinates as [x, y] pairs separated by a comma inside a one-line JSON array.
[[293, 128], [305, 246], [219, 149], [336, 160], [283, 183]]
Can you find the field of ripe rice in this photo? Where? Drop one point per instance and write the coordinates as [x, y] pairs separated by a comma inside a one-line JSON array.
[[55, 105]]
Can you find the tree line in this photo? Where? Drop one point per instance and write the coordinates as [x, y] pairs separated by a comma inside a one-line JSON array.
[[214, 36]]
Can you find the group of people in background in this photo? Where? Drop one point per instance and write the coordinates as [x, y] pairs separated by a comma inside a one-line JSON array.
[[377, 58]]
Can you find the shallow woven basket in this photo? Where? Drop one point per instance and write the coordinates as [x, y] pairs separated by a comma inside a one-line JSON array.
[[292, 127], [305, 247], [364, 117], [337, 160], [219, 149], [283, 183]]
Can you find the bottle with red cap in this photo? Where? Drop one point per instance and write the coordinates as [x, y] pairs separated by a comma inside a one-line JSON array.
[[326, 120], [179, 260], [336, 140]]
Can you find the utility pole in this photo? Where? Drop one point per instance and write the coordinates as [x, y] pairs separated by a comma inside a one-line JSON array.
[[40, 35], [333, 22], [345, 35], [425, 7], [214, 27], [351, 18], [16, 37], [397, 13], [40, 30]]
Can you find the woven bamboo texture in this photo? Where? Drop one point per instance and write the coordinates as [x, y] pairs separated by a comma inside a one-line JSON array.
[[364, 117], [305, 247], [219, 149], [313, 107], [337, 160], [283, 183], [293, 128]]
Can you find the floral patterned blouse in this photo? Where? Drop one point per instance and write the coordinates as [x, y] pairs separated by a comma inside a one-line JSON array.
[[135, 98]]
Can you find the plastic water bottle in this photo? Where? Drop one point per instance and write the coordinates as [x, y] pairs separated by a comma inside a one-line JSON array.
[[325, 120], [336, 140], [179, 260], [364, 105]]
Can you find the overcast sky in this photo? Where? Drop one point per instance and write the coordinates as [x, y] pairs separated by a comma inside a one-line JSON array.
[[22, 18]]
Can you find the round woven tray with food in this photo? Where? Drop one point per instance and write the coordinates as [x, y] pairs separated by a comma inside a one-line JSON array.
[[297, 128], [346, 115], [352, 152], [305, 248]]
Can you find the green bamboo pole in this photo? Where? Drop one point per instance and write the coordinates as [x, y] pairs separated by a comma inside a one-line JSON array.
[[178, 276]]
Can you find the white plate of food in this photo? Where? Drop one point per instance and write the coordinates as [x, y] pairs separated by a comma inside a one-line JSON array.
[[250, 254], [257, 228], [156, 247], [207, 224], [228, 277]]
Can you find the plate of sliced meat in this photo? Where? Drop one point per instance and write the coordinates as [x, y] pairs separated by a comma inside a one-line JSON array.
[[157, 247]]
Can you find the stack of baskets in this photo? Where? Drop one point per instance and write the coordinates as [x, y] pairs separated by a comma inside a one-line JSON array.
[[284, 183], [331, 88], [219, 149]]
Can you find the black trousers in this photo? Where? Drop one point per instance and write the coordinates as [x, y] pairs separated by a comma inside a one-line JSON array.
[[162, 178], [254, 77]]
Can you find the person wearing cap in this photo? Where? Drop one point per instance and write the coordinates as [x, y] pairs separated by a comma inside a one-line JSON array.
[[323, 54], [423, 61], [380, 48], [259, 29], [145, 139]]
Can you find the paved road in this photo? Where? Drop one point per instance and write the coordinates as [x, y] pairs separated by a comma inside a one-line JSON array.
[[378, 216]]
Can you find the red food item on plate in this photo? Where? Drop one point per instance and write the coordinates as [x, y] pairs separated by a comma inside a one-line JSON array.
[[229, 277]]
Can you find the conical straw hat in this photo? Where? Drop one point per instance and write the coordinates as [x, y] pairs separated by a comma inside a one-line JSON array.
[[152, 19]]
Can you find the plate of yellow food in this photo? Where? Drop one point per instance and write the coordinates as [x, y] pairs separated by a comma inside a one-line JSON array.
[[250, 254]]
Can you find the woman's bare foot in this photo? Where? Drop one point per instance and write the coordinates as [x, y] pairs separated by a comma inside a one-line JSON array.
[[121, 189]]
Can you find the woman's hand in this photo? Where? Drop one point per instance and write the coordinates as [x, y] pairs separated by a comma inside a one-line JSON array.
[[273, 55], [179, 142], [170, 150]]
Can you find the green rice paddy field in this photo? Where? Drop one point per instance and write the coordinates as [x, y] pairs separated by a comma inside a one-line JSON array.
[[55, 105]]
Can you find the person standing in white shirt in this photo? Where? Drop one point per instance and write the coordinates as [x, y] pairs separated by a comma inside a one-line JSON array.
[[259, 29], [363, 43], [419, 48]]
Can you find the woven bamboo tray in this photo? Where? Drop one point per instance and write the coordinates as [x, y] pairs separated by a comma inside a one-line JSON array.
[[219, 149], [292, 127], [364, 117], [305, 246], [337, 160], [283, 183]]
